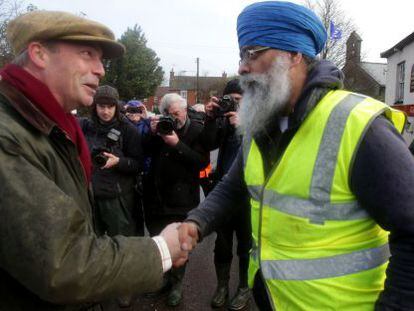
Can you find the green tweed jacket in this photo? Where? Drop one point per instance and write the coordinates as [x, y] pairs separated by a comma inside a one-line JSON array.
[[50, 256]]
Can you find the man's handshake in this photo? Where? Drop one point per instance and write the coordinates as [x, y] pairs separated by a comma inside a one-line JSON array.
[[180, 238]]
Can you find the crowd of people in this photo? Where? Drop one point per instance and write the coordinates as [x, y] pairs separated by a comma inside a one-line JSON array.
[[146, 173], [306, 176]]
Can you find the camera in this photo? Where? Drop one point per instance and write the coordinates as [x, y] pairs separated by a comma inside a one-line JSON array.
[[226, 104], [134, 110], [166, 125], [98, 157]]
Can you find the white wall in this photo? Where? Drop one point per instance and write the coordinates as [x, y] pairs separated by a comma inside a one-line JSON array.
[[407, 55]]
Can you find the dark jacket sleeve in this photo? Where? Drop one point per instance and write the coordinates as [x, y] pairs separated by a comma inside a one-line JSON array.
[[190, 148], [214, 130], [132, 161], [383, 182], [223, 202]]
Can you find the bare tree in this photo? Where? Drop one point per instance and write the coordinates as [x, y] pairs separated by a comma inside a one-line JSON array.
[[331, 11], [9, 9]]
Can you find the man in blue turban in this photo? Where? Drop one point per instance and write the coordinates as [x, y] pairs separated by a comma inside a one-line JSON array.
[[319, 164]]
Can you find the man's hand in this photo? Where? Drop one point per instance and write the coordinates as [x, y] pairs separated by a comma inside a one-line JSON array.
[[171, 139], [170, 235], [233, 118], [188, 235], [211, 106], [111, 162]]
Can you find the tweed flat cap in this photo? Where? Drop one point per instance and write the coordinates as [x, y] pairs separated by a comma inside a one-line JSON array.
[[55, 25]]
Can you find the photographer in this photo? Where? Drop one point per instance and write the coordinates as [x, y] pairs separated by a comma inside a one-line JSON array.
[[177, 156], [116, 156], [136, 112], [221, 132]]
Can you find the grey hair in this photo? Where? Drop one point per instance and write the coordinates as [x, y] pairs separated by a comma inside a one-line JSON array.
[[169, 99], [310, 62], [22, 59]]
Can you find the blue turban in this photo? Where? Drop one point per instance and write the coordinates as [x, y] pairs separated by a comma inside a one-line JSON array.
[[283, 26]]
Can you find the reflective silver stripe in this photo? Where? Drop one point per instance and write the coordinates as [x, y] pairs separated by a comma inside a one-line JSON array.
[[307, 208], [254, 192], [310, 269], [318, 208], [324, 169]]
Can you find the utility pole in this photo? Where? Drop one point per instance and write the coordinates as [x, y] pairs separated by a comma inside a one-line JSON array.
[[198, 66]]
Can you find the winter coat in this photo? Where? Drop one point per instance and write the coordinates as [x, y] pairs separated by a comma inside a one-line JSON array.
[[50, 256], [122, 178], [175, 171]]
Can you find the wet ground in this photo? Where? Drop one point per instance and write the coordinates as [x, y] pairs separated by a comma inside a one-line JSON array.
[[199, 284]]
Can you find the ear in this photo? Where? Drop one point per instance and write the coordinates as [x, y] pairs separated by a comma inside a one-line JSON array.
[[296, 58], [38, 54]]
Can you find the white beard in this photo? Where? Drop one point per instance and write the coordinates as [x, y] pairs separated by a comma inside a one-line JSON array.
[[264, 95]]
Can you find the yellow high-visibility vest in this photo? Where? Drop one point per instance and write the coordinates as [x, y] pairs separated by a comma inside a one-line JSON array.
[[317, 248]]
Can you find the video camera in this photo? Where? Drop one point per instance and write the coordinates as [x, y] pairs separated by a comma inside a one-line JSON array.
[[226, 104], [166, 125], [98, 158]]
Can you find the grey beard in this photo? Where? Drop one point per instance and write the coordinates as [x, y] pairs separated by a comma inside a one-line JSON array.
[[264, 96]]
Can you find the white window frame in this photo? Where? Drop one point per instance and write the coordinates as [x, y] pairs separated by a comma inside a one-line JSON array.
[[399, 94]]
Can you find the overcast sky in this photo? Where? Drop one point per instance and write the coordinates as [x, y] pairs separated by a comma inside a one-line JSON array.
[[179, 31]]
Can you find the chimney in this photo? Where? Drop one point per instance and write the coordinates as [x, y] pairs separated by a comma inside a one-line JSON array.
[[171, 77]]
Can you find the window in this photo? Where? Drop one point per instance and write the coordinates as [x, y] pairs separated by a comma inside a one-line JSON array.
[[412, 80], [183, 94], [399, 98]]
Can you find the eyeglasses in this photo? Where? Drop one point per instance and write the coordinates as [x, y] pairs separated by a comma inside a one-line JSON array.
[[251, 54]]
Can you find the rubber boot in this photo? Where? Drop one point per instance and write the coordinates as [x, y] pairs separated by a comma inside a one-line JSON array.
[[175, 296], [242, 297], [222, 291]]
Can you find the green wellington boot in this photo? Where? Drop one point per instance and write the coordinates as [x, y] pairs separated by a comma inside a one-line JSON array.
[[176, 295]]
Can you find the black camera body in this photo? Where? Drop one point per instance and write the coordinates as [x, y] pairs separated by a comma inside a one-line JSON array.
[[166, 125], [98, 157], [226, 104]]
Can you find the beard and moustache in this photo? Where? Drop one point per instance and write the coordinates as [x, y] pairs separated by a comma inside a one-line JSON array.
[[264, 96]]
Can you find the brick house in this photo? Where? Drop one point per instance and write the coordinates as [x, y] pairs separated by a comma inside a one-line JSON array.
[[186, 86]]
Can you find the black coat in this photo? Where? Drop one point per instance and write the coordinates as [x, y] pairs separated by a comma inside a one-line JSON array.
[[110, 183], [173, 186]]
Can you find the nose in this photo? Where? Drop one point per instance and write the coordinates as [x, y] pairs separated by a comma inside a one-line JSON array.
[[244, 68], [99, 69]]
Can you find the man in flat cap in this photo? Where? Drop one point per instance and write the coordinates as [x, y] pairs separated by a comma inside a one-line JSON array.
[[331, 180], [50, 256]]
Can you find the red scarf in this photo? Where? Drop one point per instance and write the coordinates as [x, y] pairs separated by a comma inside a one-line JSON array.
[[40, 95]]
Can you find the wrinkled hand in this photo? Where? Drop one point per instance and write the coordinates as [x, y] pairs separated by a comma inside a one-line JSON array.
[[112, 160], [188, 235], [233, 118], [170, 235], [171, 139], [211, 106]]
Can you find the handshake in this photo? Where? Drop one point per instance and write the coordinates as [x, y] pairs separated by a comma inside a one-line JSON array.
[[181, 238]]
